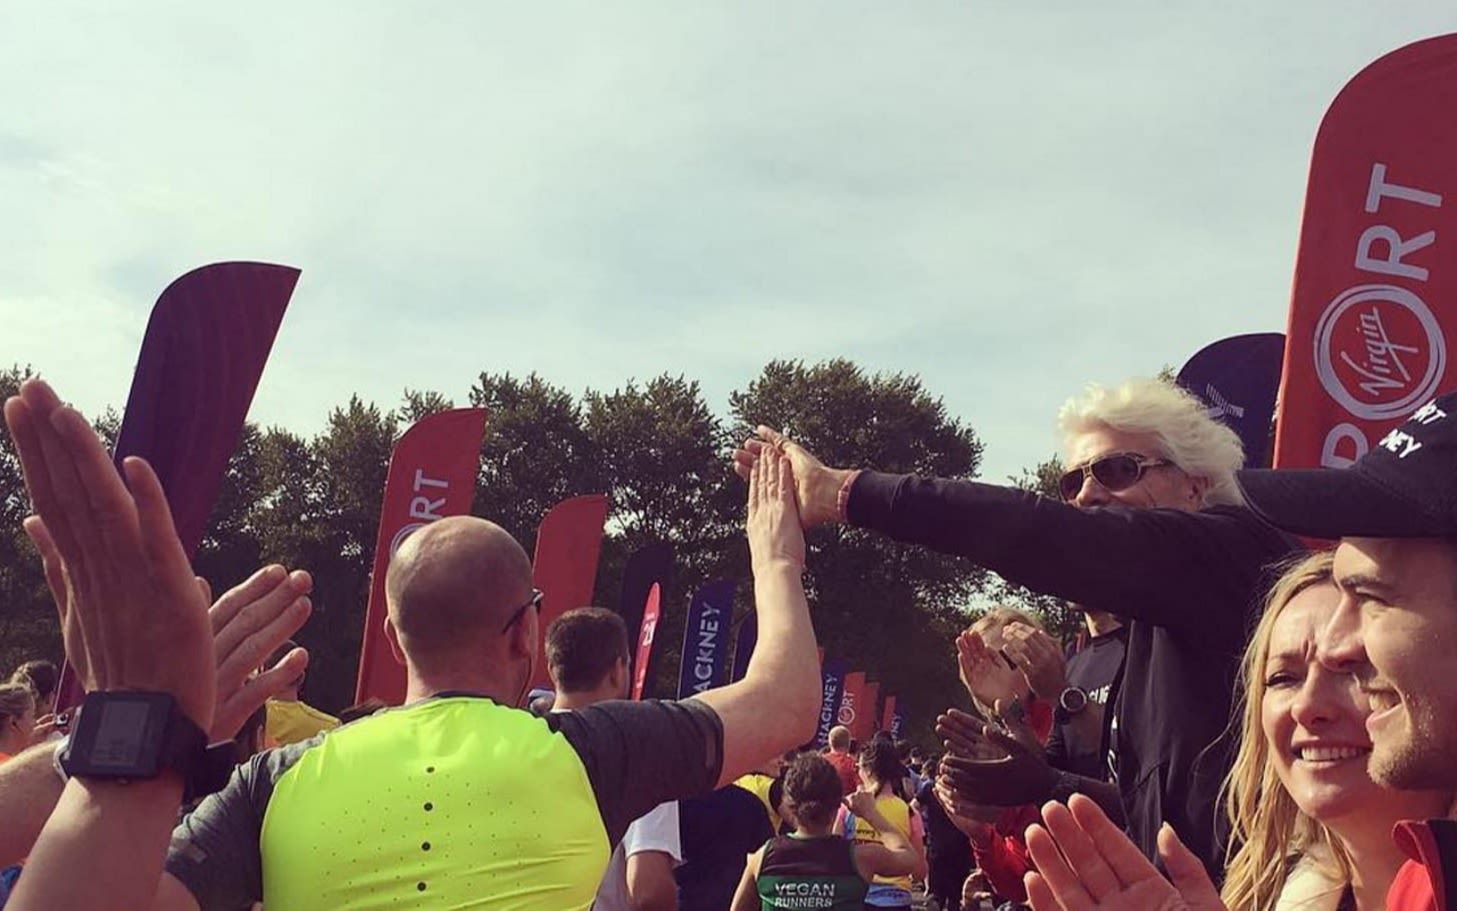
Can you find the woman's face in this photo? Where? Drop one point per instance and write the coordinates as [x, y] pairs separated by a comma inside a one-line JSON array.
[[1314, 721]]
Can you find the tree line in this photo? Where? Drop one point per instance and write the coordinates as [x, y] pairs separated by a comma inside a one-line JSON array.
[[655, 448]]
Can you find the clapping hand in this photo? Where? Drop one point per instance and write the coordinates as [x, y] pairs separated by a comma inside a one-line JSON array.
[[775, 535], [984, 765], [1038, 657], [132, 615], [986, 674], [1086, 863]]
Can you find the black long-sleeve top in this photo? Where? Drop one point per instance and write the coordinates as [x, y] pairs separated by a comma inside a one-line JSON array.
[[1188, 584]]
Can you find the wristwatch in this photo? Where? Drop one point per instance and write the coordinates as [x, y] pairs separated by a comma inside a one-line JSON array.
[[125, 735], [1072, 701]]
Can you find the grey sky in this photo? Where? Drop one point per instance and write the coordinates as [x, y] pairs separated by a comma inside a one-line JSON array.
[[1009, 199]]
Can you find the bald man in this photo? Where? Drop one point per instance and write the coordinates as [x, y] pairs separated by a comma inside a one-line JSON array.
[[458, 799]]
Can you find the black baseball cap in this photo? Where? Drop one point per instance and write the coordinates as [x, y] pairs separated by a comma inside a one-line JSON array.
[[1404, 487]]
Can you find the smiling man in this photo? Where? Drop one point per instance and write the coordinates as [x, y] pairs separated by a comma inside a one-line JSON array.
[[1151, 528], [1395, 628]]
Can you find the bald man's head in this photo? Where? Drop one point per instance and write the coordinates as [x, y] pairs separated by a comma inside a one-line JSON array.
[[453, 584]]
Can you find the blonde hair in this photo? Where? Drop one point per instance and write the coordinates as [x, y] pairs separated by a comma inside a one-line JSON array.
[[1199, 445], [15, 700], [1267, 827]]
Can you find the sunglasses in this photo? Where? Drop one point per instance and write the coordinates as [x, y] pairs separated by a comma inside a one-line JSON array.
[[533, 601], [1115, 471]]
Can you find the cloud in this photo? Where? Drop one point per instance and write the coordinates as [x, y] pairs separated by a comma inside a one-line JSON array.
[[1011, 201]]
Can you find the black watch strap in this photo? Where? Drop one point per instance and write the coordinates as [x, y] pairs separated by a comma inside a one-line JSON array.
[[124, 735]]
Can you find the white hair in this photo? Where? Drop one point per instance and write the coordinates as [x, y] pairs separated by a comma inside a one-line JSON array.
[[1201, 446]]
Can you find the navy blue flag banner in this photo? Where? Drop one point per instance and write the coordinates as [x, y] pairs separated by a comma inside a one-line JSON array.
[[744, 645], [705, 639], [207, 340], [832, 681], [1237, 379], [649, 565], [898, 724]]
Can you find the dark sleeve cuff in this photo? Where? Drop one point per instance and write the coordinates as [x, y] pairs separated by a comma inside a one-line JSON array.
[[871, 497]]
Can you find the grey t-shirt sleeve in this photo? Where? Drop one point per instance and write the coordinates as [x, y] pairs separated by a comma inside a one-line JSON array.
[[215, 849], [640, 754]]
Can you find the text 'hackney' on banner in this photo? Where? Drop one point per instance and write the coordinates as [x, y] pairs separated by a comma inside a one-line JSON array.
[[207, 341], [832, 681], [432, 475], [568, 543], [652, 609], [1237, 378], [1374, 303], [705, 638]]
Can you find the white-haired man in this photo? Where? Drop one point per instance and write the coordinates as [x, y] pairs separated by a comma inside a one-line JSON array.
[[1151, 530]]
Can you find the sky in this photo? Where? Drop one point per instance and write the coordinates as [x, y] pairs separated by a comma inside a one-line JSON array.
[[1009, 199]]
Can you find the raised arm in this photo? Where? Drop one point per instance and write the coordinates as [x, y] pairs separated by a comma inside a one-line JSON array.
[[776, 705]]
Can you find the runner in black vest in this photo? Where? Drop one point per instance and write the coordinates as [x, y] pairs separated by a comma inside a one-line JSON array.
[[813, 868]]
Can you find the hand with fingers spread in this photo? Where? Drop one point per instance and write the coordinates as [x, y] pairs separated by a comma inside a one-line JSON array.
[[132, 616], [774, 532], [987, 674], [1086, 863], [1039, 658], [816, 486], [986, 766], [249, 622]]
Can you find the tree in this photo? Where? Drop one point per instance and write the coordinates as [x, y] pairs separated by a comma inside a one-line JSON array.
[[28, 624], [535, 453], [865, 590]]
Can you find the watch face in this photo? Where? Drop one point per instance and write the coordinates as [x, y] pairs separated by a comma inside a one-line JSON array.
[[120, 734]]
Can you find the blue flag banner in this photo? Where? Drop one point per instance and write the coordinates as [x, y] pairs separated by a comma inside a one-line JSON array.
[[1237, 378], [832, 678], [898, 723], [744, 645], [705, 639]]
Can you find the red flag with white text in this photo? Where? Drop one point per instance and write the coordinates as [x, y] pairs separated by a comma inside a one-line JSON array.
[[1375, 296], [432, 475], [652, 609], [568, 543]]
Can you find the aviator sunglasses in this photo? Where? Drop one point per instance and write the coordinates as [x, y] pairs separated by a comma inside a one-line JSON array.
[[1115, 471]]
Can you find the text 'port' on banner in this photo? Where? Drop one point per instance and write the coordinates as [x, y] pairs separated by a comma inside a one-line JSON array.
[[1374, 303], [432, 476]]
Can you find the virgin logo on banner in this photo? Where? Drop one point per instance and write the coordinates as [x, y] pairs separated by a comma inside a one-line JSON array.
[[432, 475], [851, 700], [208, 337], [652, 608], [832, 677], [1375, 278], [568, 543], [705, 639]]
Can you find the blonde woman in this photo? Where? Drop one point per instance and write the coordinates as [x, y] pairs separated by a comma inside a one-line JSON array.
[[17, 718], [1311, 830]]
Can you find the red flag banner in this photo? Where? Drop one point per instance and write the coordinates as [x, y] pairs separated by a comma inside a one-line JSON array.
[[887, 717], [852, 702], [565, 569], [432, 475], [867, 717], [206, 343], [1375, 296], [652, 609]]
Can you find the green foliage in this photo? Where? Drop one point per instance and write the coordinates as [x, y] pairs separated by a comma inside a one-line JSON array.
[[656, 448]]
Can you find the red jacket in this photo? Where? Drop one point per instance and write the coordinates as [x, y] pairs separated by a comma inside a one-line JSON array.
[[1427, 882]]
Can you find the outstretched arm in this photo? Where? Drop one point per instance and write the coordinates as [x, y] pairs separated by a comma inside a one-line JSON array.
[[776, 705]]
